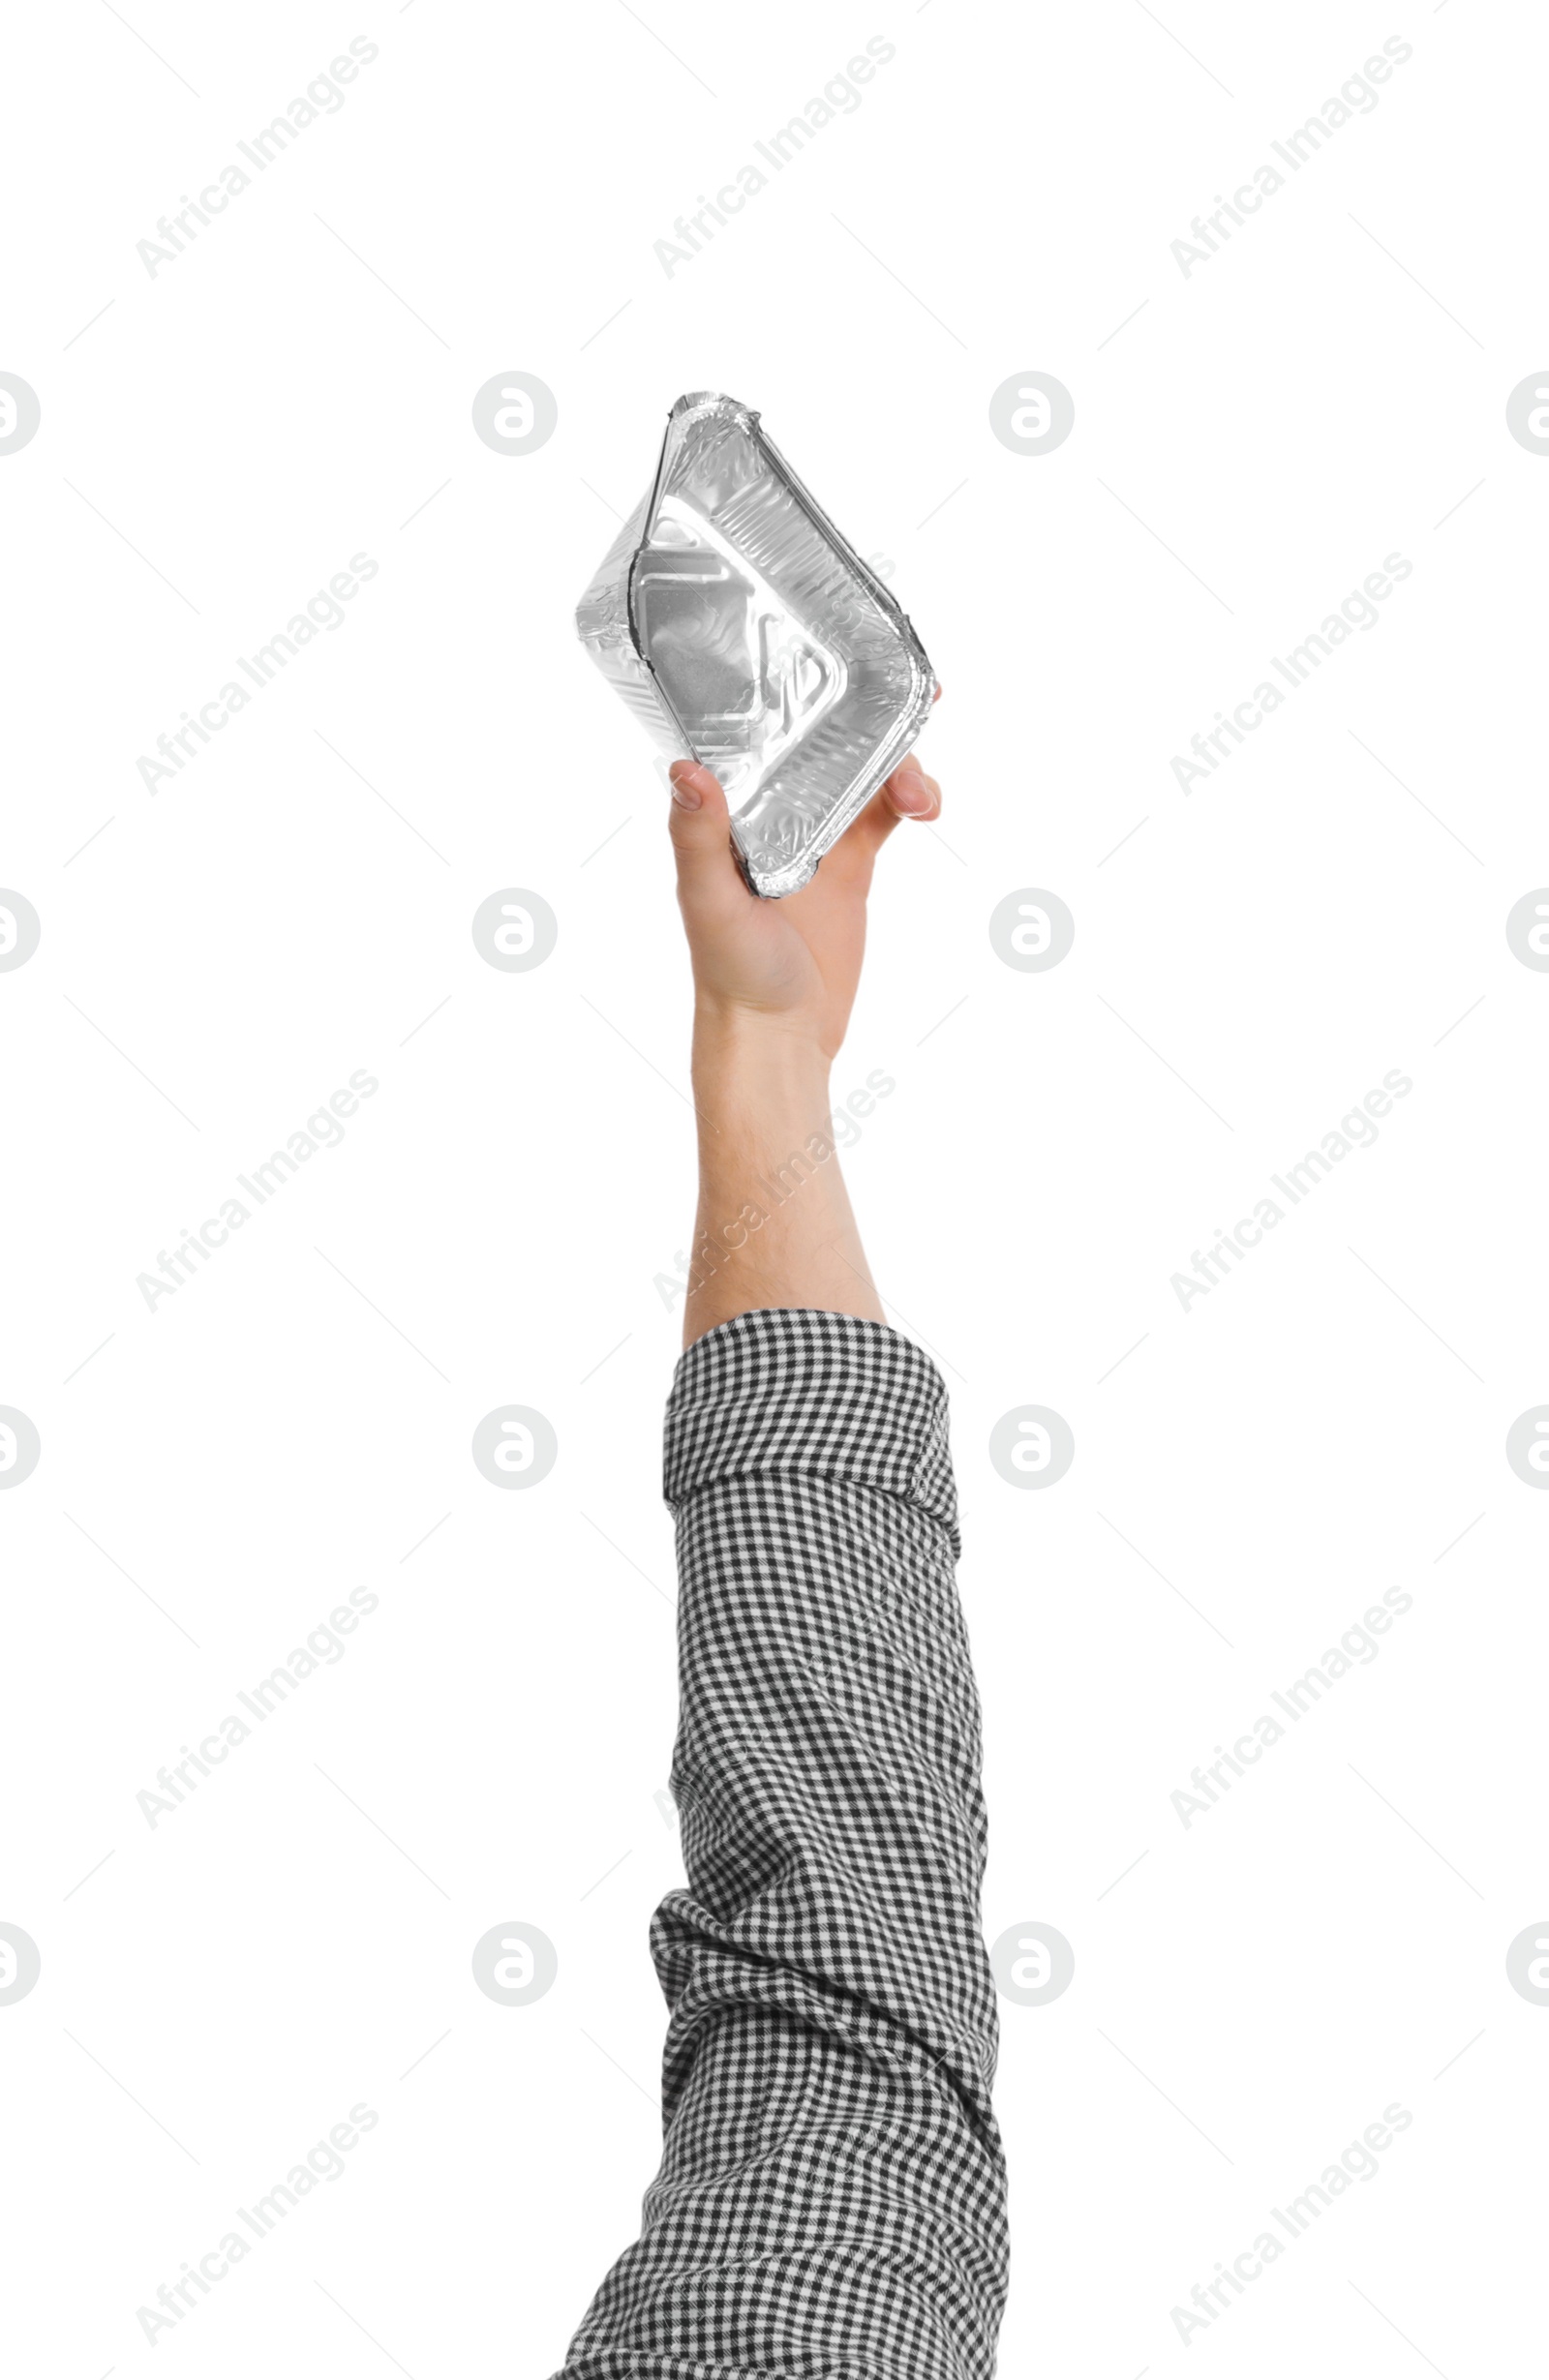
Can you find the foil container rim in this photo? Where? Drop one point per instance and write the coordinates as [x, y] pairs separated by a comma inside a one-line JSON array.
[[707, 401]]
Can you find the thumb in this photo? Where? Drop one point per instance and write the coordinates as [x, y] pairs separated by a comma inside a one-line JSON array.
[[709, 884]]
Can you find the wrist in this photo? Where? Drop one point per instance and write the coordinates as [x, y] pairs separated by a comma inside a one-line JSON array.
[[763, 1054]]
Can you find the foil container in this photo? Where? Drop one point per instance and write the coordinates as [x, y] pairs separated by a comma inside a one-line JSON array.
[[744, 632]]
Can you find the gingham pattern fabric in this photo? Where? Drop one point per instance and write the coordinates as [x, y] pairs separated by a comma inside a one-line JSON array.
[[831, 2204]]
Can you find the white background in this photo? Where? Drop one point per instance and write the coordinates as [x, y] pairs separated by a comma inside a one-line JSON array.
[[219, 956]]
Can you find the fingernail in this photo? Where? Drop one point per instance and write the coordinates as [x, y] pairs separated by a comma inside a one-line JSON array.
[[910, 791], [687, 796]]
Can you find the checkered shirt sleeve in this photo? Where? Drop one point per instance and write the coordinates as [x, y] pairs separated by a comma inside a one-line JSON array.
[[830, 2202]]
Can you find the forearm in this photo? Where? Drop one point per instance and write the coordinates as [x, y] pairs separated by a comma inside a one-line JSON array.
[[773, 1224]]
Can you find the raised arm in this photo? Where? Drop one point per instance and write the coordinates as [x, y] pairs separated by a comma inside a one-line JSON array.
[[773, 986], [830, 2202]]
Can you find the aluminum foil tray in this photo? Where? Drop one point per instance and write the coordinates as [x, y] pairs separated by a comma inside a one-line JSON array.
[[744, 632]]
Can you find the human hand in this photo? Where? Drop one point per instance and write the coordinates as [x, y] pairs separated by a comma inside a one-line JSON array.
[[794, 964]]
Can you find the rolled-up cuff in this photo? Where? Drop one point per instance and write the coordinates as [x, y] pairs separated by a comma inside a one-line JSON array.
[[794, 1392]]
